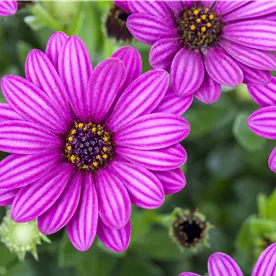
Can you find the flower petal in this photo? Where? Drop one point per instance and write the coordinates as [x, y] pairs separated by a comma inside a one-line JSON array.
[[103, 87], [222, 68], [32, 103], [263, 122], [75, 69], [26, 138], [220, 264], [64, 208], [7, 113], [176, 6], [114, 201], [116, 240], [7, 197], [148, 29], [153, 131], [272, 160], [8, 8], [82, 228], [173, 181], [187, 72], [33, 200], [140, 98], [157, 160], [123, 5], [54, 47], [223, 7], [145, 189]]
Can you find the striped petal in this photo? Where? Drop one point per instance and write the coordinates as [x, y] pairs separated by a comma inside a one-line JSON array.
[[141, 97], [223, 7], [34, 200], [82, 228], [176, 6], [187, 72], [153, 131], [220, 264], [123, 5], [116, 240], [7, 197], [7, 113], [64, 208], [145, 189], [103, 87], [272, 160], [8, 8], [157, 160], [114, 201]]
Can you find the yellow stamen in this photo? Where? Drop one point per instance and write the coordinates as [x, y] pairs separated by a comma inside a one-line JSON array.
[[73, 158], [209, 25], [105, 156], [95, 164], [98, 156], [70, 138], [203, 29], [203, 17], [196, 12], [211, 16], [198, 20], [73, 131], [193, 27], [80, 125]]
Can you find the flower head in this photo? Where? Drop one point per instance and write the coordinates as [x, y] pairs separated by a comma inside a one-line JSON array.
[[222, 264], [86, 143], [206, 44], [8, 7]]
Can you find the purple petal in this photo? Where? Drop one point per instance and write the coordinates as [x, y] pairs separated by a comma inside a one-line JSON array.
[[145, 189], [157, 160], [177, 6], [54, 46], [223, 7], [263, 122], [114, 201], [26, 138], [148, 28], [141, 97], [188, 274], [35, 199], [264, 95], [114, 239], [153, 131], [82, 228], [7, 197], [222, 68], [266, 264], [187, 72], [64, 208], [173, 181], [163, 52], [258, 34], [103, 87], [272, 160], [20, 170], [123, 5], [75, 69], [7, 113], [220, 264], [8, 8]]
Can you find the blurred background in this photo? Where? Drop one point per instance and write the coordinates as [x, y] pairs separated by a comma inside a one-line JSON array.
[[228, 179]]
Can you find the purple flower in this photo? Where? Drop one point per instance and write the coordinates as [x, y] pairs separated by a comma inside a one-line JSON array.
[[86, 143], [220, 264], [8, 8], [206, 44]]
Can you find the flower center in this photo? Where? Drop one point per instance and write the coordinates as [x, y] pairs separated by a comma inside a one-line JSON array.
[[88, 146], [199, 28]]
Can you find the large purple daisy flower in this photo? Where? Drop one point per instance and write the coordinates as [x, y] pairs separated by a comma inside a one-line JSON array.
[[220, 264], [87, 143], [8, 8], [206, 44]]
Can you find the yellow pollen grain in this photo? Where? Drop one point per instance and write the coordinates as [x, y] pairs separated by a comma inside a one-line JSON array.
[[70, 138], [193, 27], [95, 164], [73, 131], [198, 20], [69, 148], [80, 125], [203, 29], [73, 158], [105, 156], [209, 25], [84, 167], [98, 156], [93, 129], [206, 9], [203, 17], [99, 133], [105, 139], [211, 16], [104, 149], [196, 12]]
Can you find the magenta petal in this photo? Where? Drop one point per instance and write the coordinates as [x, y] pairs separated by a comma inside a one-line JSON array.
[[148, 28], [157, 160], [171, 103], [64, 208], [173, 181], [32, 103], [272, 160], [20, 170], [35, 199], [187, 72], [163, 52], [176, 6], [266, 264], [141, 97], [75, 69], [7, 197], [222, 264], [8, 8], [26, 138], [188, 274], [222, 68], [145, 189], [132, 61], [82, 228], [263, 122], [264, 95], [7, 113], [116, 240], [123, 5], [54, 46], [153, 131], [223, 7], [103, 87], [114, 201]]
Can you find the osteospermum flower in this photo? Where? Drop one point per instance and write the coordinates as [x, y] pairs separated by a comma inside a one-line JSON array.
[[220, 264], [206, 44], [87, 143], [8, 8]]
